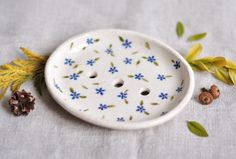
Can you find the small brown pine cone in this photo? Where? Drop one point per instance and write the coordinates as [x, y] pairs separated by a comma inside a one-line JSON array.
[[21, 103], [205, 98]]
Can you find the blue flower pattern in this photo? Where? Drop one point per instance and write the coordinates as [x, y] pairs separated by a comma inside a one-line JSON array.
[[112, 69], [89, 41], [163, 113], [177, 64], [179, 89], [74, 76], [138, 76], [69, 62], [127, 61], [120, 119], [140, 108], [122, 95], [127, 43], [100, 91], [151, 59], [75, 95], [163, 96], [161, 77], [90, 62], [102, 106], [109, 51]]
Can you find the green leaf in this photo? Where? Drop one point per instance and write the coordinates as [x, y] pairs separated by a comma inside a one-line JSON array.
[[71, 45], [79, 72], [155, 63], [194, 52], [71, 90], [141, 102], [146, 113], [197, 129], [154, 103], [138, 62], [112, 64], [180, 29], [197, 37], [147, 45], [121, 39], [232, 75]]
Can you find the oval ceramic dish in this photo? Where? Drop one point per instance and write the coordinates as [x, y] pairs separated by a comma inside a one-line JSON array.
[[119, 79]]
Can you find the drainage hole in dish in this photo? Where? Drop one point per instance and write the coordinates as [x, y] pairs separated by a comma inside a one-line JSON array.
[[144, 91], [92, 74], [118, 83]]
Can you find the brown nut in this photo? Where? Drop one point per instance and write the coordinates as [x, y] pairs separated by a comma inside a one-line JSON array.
[[215, 92], [205, 98]]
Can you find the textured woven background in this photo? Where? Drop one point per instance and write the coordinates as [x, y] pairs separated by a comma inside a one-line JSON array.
[[51, 132]]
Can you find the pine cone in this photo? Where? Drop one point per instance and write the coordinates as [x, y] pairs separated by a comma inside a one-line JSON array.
[[21, 103]]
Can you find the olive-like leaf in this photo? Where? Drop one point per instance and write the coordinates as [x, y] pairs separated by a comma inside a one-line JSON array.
[[197, 37], [194, 52], [223, 75], [180, 29], [197, 129], [232, 75], [147, 45], [121, 39]]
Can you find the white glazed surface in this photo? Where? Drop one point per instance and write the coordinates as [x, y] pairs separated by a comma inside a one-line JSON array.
[[163, 71]]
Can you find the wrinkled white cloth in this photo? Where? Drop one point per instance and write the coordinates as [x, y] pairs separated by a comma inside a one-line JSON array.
[[51, 132]]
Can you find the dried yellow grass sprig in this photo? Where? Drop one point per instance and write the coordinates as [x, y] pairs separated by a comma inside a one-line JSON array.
[[222, 68], [15, 73]]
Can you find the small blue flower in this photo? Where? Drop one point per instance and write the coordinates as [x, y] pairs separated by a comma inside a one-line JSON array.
[[177, 64], [120, 119], [127, 43], [140, 109], [122, 95], [163, 113], [109, 51], [179, 89], [75, 95], [161, 77], [69, 62], [163, 96], [113, 69], [151, 59], [89, 41], [100, 91], [127, 61], [74, 76], [138, 76], [91, 62], [102, 106]]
